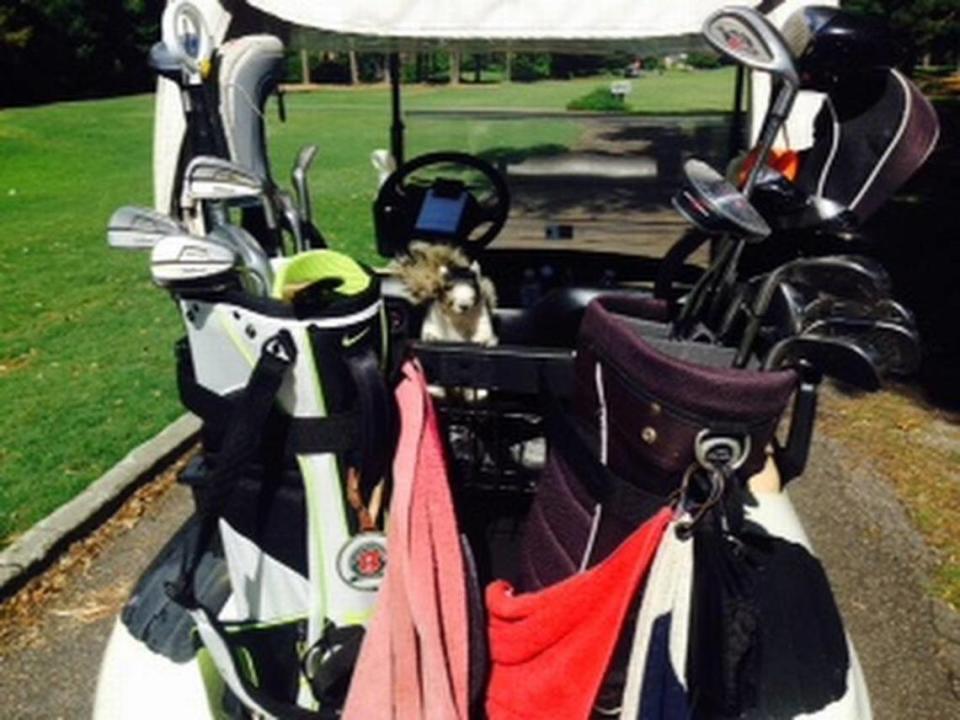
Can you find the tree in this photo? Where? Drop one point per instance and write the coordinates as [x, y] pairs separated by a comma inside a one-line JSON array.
[[62, 49], [922, 27]]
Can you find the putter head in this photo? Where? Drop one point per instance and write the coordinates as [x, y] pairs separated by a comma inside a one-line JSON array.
[[840, 358], [894, 348], [256, 271], [715, 206], [185, 261], [139, 228], [748, 38]]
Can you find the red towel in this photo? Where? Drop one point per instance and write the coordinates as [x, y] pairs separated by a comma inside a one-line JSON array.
[[413, 664], [550, 648]]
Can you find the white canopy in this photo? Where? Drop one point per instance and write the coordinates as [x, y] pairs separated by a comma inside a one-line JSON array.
[[571, 25]]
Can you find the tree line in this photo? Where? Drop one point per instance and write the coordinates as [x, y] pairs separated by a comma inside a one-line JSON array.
[[70, 49]]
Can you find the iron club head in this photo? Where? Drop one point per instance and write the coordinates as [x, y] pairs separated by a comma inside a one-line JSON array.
[[139, 228], [183, 260]]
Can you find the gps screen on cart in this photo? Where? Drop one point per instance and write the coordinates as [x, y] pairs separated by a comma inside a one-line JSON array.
[[441, 215]]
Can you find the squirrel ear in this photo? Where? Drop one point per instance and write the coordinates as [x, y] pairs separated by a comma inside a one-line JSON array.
[[475, 268]]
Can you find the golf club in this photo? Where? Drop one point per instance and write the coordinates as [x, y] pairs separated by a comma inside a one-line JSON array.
[[715, 206], [293, 218], [138, 228], [255, 263], [829, 306], [748, 38], [183, 260], [896, 348], [839, 275], [299, 178], [837, 357], [210, 179]]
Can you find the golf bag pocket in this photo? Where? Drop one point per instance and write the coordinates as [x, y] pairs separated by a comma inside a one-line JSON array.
[[297, 434]]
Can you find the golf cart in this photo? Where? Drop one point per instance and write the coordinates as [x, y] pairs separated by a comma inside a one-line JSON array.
[[268, 328]]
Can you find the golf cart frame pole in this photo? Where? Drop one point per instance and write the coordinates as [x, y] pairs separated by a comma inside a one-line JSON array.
[[735, 141], [396, 126]]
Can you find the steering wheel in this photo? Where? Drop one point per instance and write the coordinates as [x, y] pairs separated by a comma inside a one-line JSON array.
[[448, 197]]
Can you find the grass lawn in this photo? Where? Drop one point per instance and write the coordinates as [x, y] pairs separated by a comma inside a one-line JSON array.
[[85, 339]]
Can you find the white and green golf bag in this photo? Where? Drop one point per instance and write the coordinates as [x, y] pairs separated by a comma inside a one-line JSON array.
[[297, 435]]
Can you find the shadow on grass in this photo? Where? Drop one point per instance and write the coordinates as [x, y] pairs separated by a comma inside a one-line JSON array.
[[501, 156]]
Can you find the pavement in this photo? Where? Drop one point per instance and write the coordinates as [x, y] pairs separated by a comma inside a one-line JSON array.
[[49, 670]]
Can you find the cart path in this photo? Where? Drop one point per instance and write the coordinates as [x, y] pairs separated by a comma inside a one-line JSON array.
[[54, 677], [874, 558]]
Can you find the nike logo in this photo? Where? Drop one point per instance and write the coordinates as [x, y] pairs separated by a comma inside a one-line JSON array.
[[351, 341]]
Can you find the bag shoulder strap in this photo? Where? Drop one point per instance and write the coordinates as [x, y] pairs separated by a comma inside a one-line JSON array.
[[240, 443]]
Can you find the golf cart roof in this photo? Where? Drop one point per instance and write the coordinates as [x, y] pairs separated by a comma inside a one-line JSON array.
[[558, 25]]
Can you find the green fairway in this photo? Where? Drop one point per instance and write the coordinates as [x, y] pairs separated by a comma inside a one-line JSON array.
[[86, 341]]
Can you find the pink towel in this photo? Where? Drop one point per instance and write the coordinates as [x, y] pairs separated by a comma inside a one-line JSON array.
[[414, 661]]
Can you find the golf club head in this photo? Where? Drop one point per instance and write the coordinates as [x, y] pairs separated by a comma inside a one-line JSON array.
[[165, 62], [186, 36], [384, 165], [713, 204], [785, 312], [139, 228], [828, 306], [216, 179], [209, 179], [895, 349], [293, 218], [840, 358], [256, 269], [748, 38], [844, 276], [849, 276], [185, 261], [299, 177]]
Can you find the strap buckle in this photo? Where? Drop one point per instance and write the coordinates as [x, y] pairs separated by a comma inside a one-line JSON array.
[[281, 347]]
